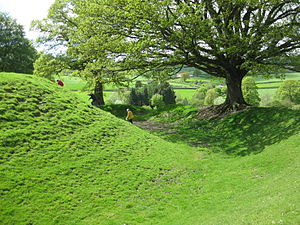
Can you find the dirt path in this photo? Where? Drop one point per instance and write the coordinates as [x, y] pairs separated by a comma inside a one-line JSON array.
[[166, 129], [156, 126]]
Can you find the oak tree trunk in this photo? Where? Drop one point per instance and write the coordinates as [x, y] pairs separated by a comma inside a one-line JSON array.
[[234, 97], [98, 91]]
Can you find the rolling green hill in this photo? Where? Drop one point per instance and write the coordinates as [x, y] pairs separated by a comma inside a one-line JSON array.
[[63, 161]]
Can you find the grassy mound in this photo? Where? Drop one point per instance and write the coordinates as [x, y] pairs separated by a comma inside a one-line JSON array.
[[66, 162]]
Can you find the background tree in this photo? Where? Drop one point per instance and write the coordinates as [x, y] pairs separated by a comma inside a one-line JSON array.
[[250, 91], [184, 76], [166, 90], [157, 100], [142, 96], [223, 38], [17, 54], [59, 31], [133, 97], [200, 94], [210, 96], [289, 90]]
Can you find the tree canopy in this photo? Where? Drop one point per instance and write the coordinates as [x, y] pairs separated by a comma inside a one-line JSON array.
[[225, 39], [16, 52]]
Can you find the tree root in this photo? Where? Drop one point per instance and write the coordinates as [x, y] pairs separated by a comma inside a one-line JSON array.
[[220, 111]]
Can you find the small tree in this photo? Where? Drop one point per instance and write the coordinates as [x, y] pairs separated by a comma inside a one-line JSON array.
[[289, 90], [250, 91], [210, 97], [184, 76], [133, 97], [166, 90], [157, 100]]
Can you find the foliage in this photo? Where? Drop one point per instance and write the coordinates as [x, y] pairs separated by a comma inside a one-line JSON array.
[[250, 92], [17, 53], [182, 101], [143, 95], [48, 66], [184, 76], [210, 96], [134, 98], [289, 90], [157, 100], [223, 38], [166, 90], [200, 94]]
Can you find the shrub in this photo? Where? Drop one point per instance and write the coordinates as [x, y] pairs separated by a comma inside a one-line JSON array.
[[267, 100], [210, 97], [157, 100], [182, 101], [219, 100], [199, 96], [289, 90], [250, 91]]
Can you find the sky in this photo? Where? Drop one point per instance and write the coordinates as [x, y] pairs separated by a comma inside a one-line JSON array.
[[24, 11]]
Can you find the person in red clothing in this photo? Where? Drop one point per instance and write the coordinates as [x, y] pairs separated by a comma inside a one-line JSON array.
[[59, 82]]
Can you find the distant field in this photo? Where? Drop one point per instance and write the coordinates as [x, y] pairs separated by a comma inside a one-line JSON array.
[[185, 93], [266, 86]]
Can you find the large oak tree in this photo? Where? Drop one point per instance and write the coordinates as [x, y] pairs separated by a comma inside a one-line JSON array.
[[224, 38]]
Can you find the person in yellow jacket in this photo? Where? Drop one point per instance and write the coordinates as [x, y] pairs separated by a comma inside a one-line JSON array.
[[129, 116]]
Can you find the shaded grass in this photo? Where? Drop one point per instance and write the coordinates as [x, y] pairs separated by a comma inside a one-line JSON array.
[[239, 134]]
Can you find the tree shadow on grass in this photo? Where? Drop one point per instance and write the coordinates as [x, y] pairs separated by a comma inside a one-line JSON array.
[[243, 133]]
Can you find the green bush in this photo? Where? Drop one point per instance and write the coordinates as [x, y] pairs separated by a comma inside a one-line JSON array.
[[199, 96], [250, 91], [157, 100], [289, 90], [210, 97]]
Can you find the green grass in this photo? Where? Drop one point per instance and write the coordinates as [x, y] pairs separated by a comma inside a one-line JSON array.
[[76, 83], [63, 161], [185, 93]]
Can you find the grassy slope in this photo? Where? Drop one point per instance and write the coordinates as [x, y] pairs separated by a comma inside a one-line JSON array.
[[64, 162]]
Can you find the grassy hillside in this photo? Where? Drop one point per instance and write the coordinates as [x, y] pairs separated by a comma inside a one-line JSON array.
[[65, 162]]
